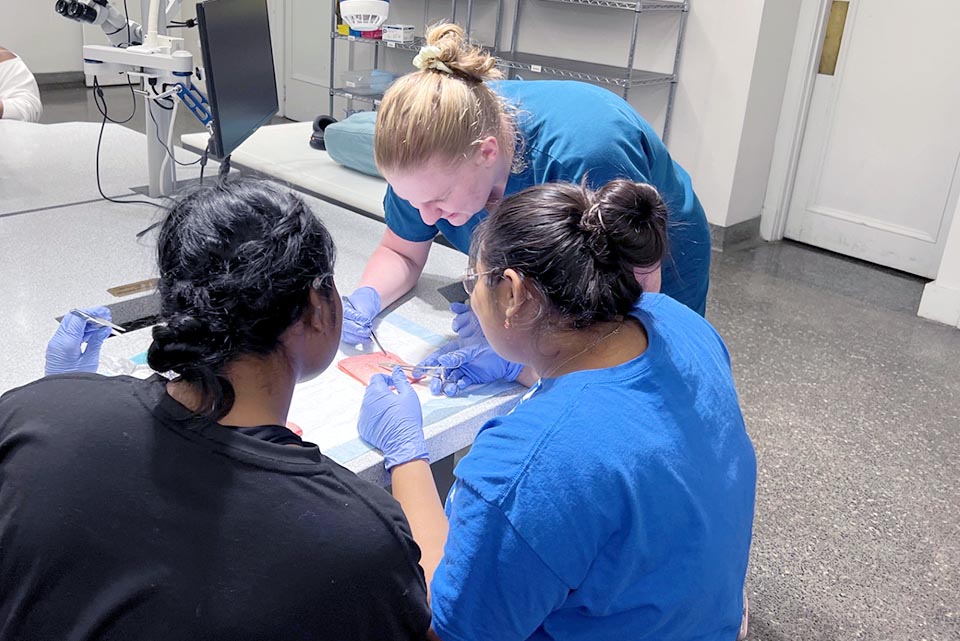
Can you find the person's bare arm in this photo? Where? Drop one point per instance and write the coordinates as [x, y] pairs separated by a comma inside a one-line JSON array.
[[21, 95], [416, 491], [5, 54], [395, 267]]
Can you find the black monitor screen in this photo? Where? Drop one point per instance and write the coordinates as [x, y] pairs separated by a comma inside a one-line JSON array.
[[238, 59]]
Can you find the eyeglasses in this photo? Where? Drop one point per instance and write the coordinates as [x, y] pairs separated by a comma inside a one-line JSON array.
[[470, 277]]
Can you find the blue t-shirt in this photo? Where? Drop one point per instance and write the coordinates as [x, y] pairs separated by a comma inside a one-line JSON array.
[[571, 130], [612, 504]]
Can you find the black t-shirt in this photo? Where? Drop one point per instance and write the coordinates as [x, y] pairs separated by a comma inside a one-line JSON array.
[[123, 517]]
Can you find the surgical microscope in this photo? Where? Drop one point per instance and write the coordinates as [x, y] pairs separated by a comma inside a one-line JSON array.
[[159, 62]]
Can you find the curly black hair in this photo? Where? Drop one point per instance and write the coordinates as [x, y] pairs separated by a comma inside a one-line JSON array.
[[237, 260]]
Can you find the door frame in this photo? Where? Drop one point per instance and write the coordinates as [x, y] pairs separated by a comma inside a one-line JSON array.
[[798, 92], [277, 11]]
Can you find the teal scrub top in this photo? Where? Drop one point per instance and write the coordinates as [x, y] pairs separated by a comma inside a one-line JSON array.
[[571, 130]]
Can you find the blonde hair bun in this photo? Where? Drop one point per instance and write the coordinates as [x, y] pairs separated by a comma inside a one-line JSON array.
[[442, 112], [465, 60]]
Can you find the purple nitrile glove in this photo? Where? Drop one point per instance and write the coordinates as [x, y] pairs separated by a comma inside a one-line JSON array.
[[465, 323], [466, 363], [391, 419], [359, 310], [75, 346]]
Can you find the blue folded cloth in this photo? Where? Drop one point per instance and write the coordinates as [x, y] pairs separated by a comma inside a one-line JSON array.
[[350, 142]]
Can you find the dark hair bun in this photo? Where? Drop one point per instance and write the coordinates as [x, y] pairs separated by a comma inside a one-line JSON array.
[[581, 247], [180, 344], [626, 221]]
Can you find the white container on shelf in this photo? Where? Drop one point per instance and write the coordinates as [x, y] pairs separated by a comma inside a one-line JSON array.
[[397, 32]]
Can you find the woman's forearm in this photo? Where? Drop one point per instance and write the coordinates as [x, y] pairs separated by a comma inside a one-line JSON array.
[[415, 490], [395, 267]]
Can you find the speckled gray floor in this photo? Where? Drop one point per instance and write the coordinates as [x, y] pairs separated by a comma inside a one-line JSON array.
[[853, 403]]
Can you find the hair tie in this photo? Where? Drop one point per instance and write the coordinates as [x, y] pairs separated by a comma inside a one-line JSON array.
[[429, 58]]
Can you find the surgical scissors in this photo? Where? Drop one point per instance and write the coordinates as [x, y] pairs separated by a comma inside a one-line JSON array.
[[115, 330]]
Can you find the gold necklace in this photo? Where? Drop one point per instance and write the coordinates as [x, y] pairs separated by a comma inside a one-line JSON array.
[[586, 349]]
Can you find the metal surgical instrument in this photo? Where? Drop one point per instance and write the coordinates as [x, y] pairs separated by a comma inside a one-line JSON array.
[[115, 330]]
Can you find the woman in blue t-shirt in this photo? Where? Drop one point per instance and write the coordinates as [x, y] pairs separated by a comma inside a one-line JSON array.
[[616, 500], [452, 141]]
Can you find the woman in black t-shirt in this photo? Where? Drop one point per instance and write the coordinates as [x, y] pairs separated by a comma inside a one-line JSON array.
[[182, 508]]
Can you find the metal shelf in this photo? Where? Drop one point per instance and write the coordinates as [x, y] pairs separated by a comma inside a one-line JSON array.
[[619, 78], [418, 42], [373, 99], [405, 46], [627, 5], [586, 71]]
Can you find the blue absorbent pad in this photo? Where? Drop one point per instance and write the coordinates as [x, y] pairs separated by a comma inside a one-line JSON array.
[[350, 142]]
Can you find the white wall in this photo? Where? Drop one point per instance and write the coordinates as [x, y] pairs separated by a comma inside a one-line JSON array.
[[732, 77], [712, 95], [941, 298], [762, 117], [47, 42]]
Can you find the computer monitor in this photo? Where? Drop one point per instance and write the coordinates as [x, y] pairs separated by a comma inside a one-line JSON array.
[[238, 60]]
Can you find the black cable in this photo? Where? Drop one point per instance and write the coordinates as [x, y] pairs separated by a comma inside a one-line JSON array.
[[164, 145], [101, 102], [203, 163], [103, 125], [167, 107], [126, 15], [203, 158]]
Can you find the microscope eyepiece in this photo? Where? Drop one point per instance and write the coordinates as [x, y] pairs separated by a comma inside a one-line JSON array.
[[75, 10]]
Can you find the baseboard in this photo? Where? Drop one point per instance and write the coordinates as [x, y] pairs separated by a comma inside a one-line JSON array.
[[745, 234], [59, 78], [941, 303]]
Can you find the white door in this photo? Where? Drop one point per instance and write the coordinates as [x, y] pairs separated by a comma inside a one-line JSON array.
[[276, 10], [879, 170]]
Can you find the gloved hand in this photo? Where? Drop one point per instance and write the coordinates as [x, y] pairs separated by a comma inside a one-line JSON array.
[[465, 323], [359, 310], [75, 346], [467, 363], [392, 421]]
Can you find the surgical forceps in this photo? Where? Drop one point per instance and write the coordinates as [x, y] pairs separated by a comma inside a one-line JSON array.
[[115, 330]]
